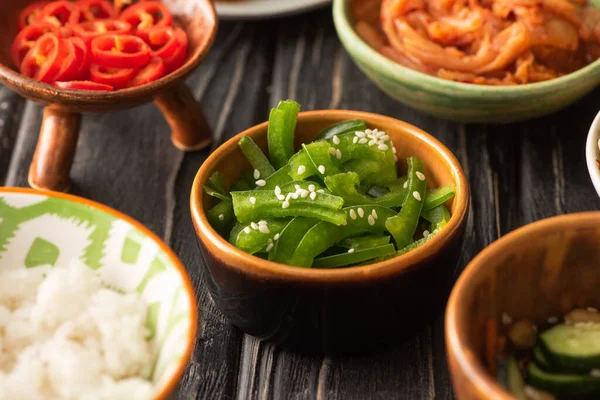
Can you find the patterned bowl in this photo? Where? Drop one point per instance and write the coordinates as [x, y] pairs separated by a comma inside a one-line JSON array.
[[46, 228], [461, 101], [593, 153]]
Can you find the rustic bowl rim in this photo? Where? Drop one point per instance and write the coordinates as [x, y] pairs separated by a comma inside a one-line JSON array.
[[593, 153], [90, 96], [187, 282], [456, 334], [396, 72], [258, 267]]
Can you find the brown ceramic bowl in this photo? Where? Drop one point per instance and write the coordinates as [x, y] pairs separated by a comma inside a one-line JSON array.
[[58, 136], [342, 309], [544, 269]]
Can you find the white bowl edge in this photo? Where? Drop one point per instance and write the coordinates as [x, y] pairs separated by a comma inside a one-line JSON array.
[[593, 153]]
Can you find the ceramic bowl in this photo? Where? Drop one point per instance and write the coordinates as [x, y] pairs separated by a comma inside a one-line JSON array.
[[332, 310], [40, 228], [461, 101], [592, 153], [541, 270]]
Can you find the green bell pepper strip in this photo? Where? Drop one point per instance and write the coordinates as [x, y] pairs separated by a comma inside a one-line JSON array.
[[351, 149], [436, 197], [398, 184], [248, 177], [372, 172], [261, 204], [237, 228], [289, 239], [438, 217], [300, 166], [216, 182], [252, 240], [279, 178], [256, 157], [282, 124], [211, 192], [320, 155], [221, 217], [347, 259], [415, 244], [349, 126], [364, 242], [306, 185], [403, 226], [324, 235], [241, 185], [345, 186]]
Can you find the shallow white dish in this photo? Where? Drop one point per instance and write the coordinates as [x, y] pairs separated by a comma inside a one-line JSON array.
[[593, 153], [263, 9]]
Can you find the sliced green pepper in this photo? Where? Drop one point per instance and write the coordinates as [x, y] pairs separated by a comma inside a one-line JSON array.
[[249, 178], [403, 226], [221, 217], [438, 196], [306, 185], [364, 242], [211, 192], [216, 182], [361, 219], [282, 124], [353, 257], [344, 185], [415, 244], [289, 239], [438, 216], [257, 158], [256, 204], [279, 178], [241, 185], [320, 156], [340, 128], [259, 236], [237, 228], [353, 147]]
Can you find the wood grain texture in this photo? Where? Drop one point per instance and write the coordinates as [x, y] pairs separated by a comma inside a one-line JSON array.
[[518, 173]]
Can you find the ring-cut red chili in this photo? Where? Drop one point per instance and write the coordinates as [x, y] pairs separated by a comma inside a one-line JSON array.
[[44, 60], [163, 41], [84, 85], [177, 59], [92, 10], [26, 39], [147, 14], [151, 72], [89, 30], [60, 13], [31, 13], [84, 55], [71, 61], [120, 51], [115, 77]]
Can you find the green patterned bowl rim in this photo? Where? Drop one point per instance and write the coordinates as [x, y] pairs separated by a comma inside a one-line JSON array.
[[593, 153], [187, 283], [378, 62]]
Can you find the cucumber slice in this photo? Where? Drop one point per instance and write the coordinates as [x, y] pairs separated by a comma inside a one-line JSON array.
[[567, 385], [572, 347]]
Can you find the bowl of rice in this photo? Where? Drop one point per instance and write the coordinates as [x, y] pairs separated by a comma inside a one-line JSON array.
[[593, 153], [93, 305]]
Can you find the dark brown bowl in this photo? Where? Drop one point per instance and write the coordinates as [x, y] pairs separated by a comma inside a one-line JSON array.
[[347, 309], [544, 269], [58, 137]]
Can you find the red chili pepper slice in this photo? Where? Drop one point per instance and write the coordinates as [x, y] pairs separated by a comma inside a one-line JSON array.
[[177, 59], [147, 14], [84, 85], [44, 60], [84, 55], [120, 51], [151, 72], [163, 41], [74, 57], [60, 13], [89, 30], [115, 77], [92, 10], [30, 14], [26, 39]]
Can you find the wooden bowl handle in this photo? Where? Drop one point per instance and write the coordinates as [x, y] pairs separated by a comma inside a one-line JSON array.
[[190, 130], [53, 158]]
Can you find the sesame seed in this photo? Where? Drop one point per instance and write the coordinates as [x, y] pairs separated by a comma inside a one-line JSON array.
[[301, 170], [277, 190], [256, 174], [262, 222], [368, 132], [270, 247], [338, 154], [247, 230], [264, 229], [312, 187], [355, 140], [277, 236], [253, 200], [374, 214], [384, 138], [321, 191], [261, 183], [336, 140], [394, 149], [285, 204], [297, 187], [506, 319], [395, 158], [221, 217], [350, 251], [332, 151], [363, 141], [360, 134], [383, 147], [280, 197], [254, 225], [295, 196], [345, 223], [417, 196], [313, 195], [405, 185], [420, 175], [371, 220], [426, 233], [361, 212], [304, 194], [372, 142], [321, 169], [288, 197], [552, 320], [352, 214], [595, 372]]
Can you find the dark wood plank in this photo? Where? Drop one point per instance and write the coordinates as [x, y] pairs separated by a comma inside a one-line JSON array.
[[11, 110]]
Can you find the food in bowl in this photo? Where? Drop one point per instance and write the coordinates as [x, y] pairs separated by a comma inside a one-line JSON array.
[[65, 335], [558, 360], [98, 45], [484, 42], [337, 202]]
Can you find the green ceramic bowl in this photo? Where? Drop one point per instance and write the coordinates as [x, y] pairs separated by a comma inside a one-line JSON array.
[[461, 101], [44, 229]]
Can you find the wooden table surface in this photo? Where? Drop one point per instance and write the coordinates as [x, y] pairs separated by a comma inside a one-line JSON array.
[[518, 173]]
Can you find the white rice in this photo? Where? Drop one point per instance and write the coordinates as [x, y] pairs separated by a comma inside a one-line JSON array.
[[66, 336]]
